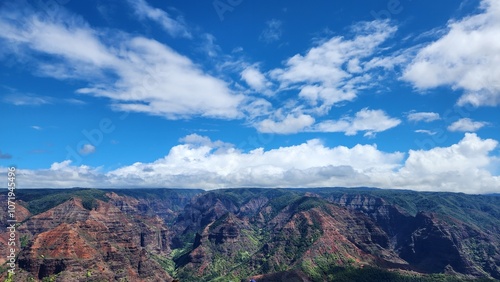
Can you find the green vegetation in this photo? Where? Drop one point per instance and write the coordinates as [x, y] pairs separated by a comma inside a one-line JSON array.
[[51, 278], [10, 277], [369, 274], [479, 210], [278, 198], [166, 263], [24, 241], [306, 203], [41, 200], [265, 246], [159, 194], [283, 200], [218, 222]]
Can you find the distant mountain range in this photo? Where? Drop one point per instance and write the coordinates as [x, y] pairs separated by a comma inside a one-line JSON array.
[[313, 234]]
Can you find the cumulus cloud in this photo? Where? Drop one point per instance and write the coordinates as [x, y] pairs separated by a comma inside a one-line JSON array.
[[256, 80], [199, 163], [334, 70], [465, 58], [62, 175], [330, 73], [292, 123], [87, 149], [325, 97], [462, 167], [196, 140], [137, 74], [370, 121], [423, 116], [466, 125]]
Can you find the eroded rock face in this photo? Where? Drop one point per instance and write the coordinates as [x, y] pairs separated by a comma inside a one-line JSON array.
[[357, 230], [56, 250], [71, 241], [291, 275], [226, 241], [263, 232], [68, 212], [444, 244], [291, 237], [430, 243], [392, 219], [21, 213]]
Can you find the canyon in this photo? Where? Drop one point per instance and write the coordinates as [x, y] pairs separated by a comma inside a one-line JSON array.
[[314, 234]]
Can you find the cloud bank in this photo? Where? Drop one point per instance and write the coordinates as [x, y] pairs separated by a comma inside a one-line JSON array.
[[199, 162]]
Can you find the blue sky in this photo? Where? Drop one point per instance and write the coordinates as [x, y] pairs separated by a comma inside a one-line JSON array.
[[236, 93]]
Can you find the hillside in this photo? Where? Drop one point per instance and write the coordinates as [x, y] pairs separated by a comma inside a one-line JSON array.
[[321, 234]]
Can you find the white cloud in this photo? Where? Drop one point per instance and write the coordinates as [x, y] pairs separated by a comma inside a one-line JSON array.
[[462, 167], [208, 45], [425, 131], [272, 32], [391, 61], [87, 149], [423, 116], [466, 58], [292, 123], [196, 139], [257, 108], [19, 99], [203, 165], [200, 163], [353, 66], [63, 175], [334, 70], [173, 27], [256, 80], [199, 141], [142, 75], [326, 96], [36, 127], [370, 121], [146, 76], [466, 125]]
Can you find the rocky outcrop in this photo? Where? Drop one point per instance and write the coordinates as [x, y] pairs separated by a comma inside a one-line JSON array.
[[291, 275], [21, 213], [440, 245], [222, 244], [241, 233], [68, 212], [391, 218], [72, 242], [428, 242], [305, 231], [356, 230], [202, 210]]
